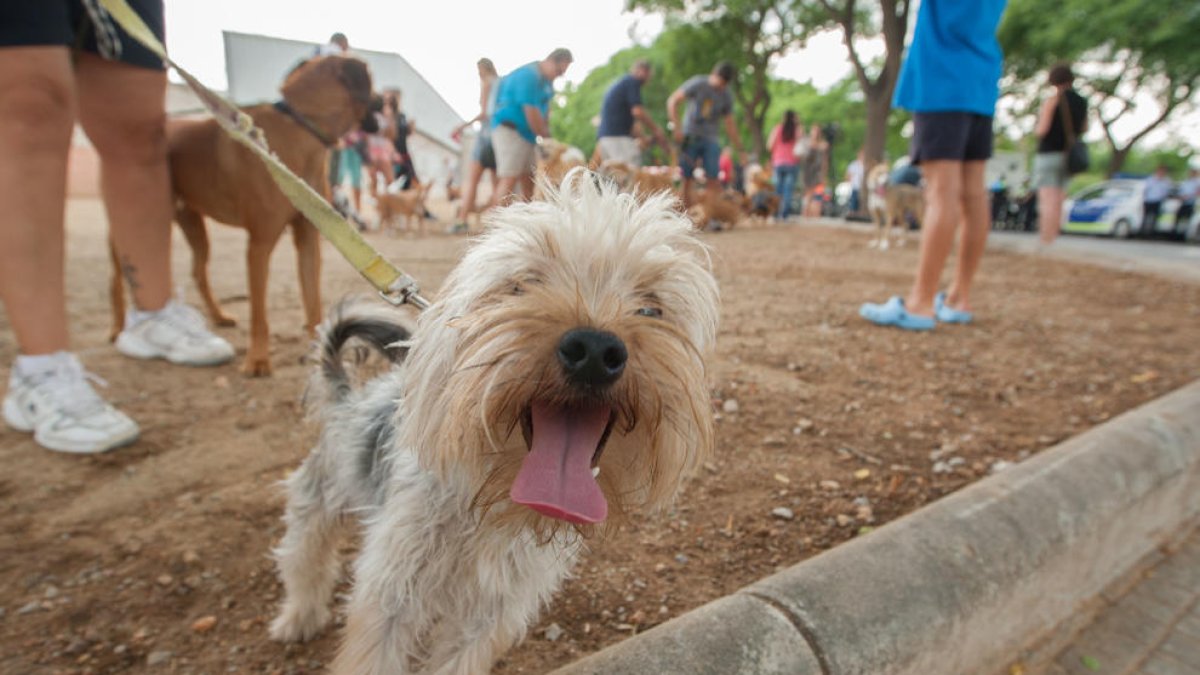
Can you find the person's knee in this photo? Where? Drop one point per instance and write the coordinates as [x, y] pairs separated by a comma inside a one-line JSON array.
[[134, 138], [38, 113]]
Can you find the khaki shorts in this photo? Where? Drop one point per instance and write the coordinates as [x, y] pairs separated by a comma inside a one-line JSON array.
[[515, 156], [1050, 170], [620, 149]]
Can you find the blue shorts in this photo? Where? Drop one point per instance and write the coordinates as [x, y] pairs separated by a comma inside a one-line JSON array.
[[67, 23], [483, 152], [697, 149], [957, 136]]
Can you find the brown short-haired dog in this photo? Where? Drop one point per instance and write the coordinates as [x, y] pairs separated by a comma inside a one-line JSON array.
[[890, 205], [407, 205], [213, 175]]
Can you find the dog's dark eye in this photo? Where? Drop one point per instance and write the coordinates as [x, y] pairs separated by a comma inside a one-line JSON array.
[[652, 312]]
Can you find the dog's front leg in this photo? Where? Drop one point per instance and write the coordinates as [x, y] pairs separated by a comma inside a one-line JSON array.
[[258, 264], [308, 264]]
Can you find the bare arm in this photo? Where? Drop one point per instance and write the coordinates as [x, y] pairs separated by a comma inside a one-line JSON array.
[[639, 114], [537, 123], [734, 138], [673, 114], [1046, 116]]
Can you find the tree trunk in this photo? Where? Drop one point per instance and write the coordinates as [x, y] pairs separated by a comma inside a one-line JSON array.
[[1117, 160]]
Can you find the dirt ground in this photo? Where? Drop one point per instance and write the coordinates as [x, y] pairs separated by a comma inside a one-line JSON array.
[[115, 563]]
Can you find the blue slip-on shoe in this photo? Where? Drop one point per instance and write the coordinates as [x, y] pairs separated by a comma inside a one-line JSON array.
[[893, 313], [947, 314]]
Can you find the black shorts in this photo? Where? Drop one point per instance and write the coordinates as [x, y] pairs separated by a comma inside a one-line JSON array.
[[73, 24], [957, 136]]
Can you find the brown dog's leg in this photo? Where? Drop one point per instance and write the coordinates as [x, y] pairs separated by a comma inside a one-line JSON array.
[[194, 230], [258, 263], [116, 294], [308, 264]]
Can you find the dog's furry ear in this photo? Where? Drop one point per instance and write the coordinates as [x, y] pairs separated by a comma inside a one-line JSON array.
[[355, 75]]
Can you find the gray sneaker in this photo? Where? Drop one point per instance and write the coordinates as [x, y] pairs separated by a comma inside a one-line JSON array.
[[64, 412], [176, 333]]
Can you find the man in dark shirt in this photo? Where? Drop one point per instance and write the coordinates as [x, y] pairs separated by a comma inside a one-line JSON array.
[[622, 107]]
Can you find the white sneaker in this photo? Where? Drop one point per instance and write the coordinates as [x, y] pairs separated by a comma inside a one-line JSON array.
[[64, 412], [176, 333]]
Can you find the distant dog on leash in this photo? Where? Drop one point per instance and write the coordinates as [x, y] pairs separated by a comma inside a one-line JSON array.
[[889, 204], [556, 385], [406, 207], [214, 176]]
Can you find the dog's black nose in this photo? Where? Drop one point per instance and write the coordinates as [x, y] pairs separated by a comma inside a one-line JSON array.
[[592, 358]]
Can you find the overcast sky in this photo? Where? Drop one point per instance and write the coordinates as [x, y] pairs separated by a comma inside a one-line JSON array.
[[443, 39]]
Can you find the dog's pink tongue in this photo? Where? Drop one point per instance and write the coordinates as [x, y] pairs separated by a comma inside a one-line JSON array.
[[556, 477]]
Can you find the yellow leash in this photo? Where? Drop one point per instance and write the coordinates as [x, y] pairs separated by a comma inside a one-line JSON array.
[[394, 285]]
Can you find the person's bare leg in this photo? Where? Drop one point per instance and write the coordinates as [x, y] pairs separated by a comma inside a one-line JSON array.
[[504, 190], [474, 173], [121, 107], [1050, 202], [973, 234], [37, 111], [526, 187], [943, 211]]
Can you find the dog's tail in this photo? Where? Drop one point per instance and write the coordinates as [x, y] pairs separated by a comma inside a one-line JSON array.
[[376, 328]]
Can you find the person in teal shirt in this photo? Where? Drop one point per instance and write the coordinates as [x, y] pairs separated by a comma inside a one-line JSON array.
[[522, 114], [950, 82]]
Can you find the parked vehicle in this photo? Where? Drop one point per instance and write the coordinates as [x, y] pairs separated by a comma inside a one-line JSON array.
[[1114, 208]]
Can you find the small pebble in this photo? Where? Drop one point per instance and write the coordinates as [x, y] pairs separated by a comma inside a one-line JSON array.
[[552, 632], [730, 405], [783, 513], [157, 658]]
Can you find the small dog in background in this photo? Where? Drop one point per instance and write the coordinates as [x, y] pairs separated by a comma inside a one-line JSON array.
[[641, 180], [407, 206], [890, 204], [555, 385], [719, 211], [764, 200], [556, 159]]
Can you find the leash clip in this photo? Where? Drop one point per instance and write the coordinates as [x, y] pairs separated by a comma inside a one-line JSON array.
[[404, 290]]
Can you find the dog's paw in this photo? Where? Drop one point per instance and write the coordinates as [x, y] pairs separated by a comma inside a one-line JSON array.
[[256, 367], [299, 624]]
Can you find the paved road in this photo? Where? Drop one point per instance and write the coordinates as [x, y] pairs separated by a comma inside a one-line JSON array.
[[1173, 260], [1169, 259]]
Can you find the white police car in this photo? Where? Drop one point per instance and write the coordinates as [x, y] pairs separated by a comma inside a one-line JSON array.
[[1114, 208]]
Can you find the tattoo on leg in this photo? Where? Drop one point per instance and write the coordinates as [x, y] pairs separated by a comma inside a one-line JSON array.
[[130, 274]]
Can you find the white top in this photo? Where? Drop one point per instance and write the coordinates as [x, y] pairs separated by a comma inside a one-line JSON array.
[[855, 172], [1157, 189], [1189, 188]]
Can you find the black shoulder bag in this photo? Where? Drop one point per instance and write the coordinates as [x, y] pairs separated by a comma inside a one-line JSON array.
[[1076, 156]]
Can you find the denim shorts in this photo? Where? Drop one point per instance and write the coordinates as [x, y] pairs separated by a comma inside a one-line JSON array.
[[70, 23], [1050, 170], [698, 149], [956, 136]]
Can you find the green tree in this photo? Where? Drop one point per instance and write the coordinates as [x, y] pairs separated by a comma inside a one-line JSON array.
[[877, 80], [1121, 48]]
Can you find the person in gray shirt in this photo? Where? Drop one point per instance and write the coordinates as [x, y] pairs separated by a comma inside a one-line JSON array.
[[709, 103]]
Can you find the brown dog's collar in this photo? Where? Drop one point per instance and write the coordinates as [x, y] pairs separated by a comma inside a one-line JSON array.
[[309, 126]]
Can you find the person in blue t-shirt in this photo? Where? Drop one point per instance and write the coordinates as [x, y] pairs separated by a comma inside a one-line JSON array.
[[950, 82], [622, 107], [522, 114]]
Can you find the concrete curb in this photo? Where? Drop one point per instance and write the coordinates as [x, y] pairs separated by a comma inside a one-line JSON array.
[[961, 585]]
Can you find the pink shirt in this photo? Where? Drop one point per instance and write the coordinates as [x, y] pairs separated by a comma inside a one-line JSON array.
[[783, 153]]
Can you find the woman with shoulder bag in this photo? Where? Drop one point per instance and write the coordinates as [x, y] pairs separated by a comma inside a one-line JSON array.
[[1061, 121]]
